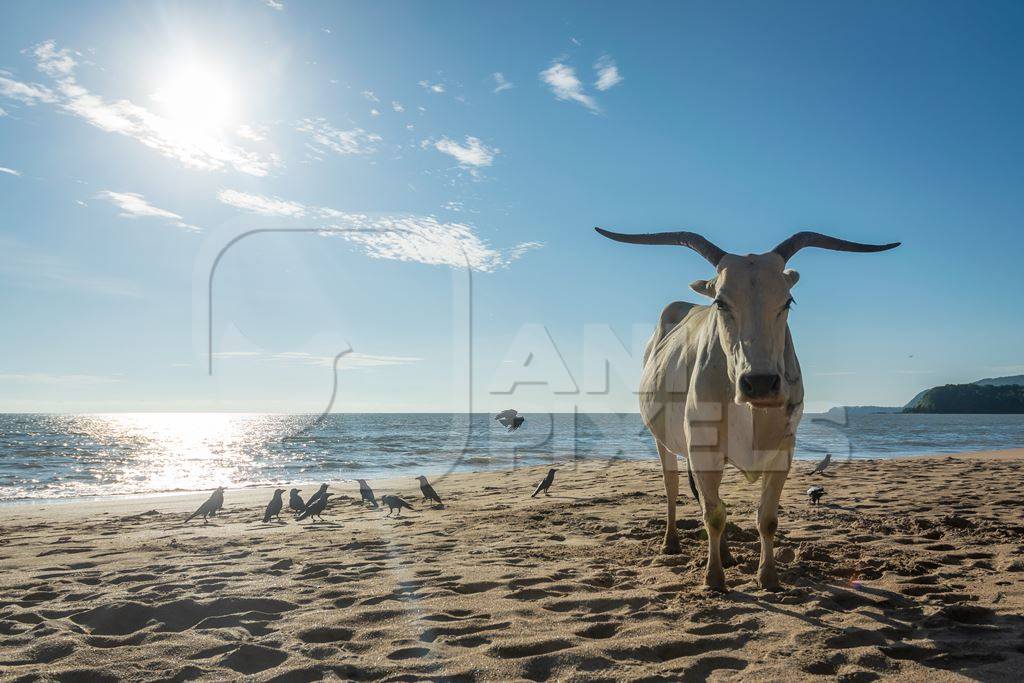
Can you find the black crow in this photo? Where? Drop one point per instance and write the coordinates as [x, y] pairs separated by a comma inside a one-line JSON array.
[[367, 493], [209, 508], [546, 484], [295, 503], [394, 503], [315, 509], [428, 491], [510, 419], [321, 491], [274, 507], [815, 493]]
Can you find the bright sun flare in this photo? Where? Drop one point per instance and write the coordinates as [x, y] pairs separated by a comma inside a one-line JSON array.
[[197, 98]]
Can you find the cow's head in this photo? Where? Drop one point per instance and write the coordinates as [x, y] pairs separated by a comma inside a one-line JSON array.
[[751, 300]]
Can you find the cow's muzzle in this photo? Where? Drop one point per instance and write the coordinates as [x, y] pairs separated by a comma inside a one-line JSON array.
[[761, 389]]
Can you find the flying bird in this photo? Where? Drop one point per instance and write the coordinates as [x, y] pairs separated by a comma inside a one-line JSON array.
[[295, 503], [546, 483], [315, 509], [367, 493], [428, 491], [820, 467], [394, 503], [274, 507], [510, 419], [815, 493], [209, 508], [316, 496]]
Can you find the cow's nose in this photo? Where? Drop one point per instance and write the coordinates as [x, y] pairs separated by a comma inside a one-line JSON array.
[[760, 386]]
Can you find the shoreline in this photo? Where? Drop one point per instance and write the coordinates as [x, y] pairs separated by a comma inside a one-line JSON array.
[[343, 484]]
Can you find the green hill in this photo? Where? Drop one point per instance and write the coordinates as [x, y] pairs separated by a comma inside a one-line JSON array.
[[969, 398]]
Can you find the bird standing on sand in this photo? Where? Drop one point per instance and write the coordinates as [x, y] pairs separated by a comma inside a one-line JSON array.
[[274, 507], [295, 501], [546, 484], [315, 508], [316, 496], [209, 508], [815, 493], [367, 493], [428, 491], [820, 467], [510, 419], [394, 503]]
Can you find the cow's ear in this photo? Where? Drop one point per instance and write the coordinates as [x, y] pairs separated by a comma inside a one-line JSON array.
[[705, 287], [792, 277]]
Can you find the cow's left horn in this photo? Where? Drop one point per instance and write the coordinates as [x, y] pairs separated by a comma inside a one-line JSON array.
[[680, 239], [815, 239]]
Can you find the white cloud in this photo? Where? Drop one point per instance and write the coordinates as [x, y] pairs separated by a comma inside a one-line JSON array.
[[397, 106], [9, 171], [350, 361], [608, 75], [203, 150], [432, 87], [2, 112], [473, 154], [374, 112], [254, 132], [566, 86], [500, 82], [369, 94], [266, 206], [353, 141], [274, 4], [133, 205], [410, 238], [47, 378]]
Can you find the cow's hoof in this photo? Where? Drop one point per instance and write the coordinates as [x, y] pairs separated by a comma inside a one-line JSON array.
[[715, 581], [671, 546], [768, 580]]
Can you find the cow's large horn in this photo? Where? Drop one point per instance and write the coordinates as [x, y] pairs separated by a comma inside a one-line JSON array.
[[680, 239], [815, 239]]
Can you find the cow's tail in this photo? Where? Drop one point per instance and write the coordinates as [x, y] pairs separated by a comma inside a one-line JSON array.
[[693, 485]]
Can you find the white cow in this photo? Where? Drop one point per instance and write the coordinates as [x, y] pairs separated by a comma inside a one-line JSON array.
[[721, 384]]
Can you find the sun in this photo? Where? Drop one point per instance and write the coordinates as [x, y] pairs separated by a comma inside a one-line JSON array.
[[197, 97]]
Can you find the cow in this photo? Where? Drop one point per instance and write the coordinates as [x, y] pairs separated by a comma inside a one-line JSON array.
[[721, 384]]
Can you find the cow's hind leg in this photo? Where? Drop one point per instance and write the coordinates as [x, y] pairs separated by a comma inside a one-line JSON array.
[[767, 523], [708, 482], [670, 472]]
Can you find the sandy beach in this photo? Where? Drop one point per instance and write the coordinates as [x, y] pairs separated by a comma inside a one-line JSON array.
[[912, 569]]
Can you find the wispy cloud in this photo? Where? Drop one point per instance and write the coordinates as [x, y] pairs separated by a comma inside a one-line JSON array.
[[432, 87], [500, 82], [48, 378], [350, 361], [203, 150], [472, 154], [411, 238], [133, 205], [370, 95], [265, 206], [562, 81], [254, 132], [9, 171], [397, 106], [608, 75], [351, 141], [274, 4]]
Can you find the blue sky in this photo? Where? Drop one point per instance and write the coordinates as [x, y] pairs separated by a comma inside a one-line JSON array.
[[137, 139]]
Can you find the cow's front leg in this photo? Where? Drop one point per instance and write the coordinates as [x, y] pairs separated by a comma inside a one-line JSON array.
[[714, 521], [670, 472], [767, 523]]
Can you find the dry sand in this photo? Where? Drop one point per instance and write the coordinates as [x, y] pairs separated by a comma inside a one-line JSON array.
[[913, 569]]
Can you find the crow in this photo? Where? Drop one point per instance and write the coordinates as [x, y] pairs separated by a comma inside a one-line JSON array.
[[315, 509], [367, 493], [820, 467], [274, 507], [510, 419], [428, 491], [394, 503], [209, 508], [321, 491], [815, 493], [546, 484], [295, 503]]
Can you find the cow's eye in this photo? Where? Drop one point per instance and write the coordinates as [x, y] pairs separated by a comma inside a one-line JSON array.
[[722, 306]]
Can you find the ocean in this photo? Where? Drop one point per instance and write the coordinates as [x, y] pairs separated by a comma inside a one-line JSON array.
[[72, 456]]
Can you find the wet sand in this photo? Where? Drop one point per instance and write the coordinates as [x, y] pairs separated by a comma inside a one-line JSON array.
[[911, 569]]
